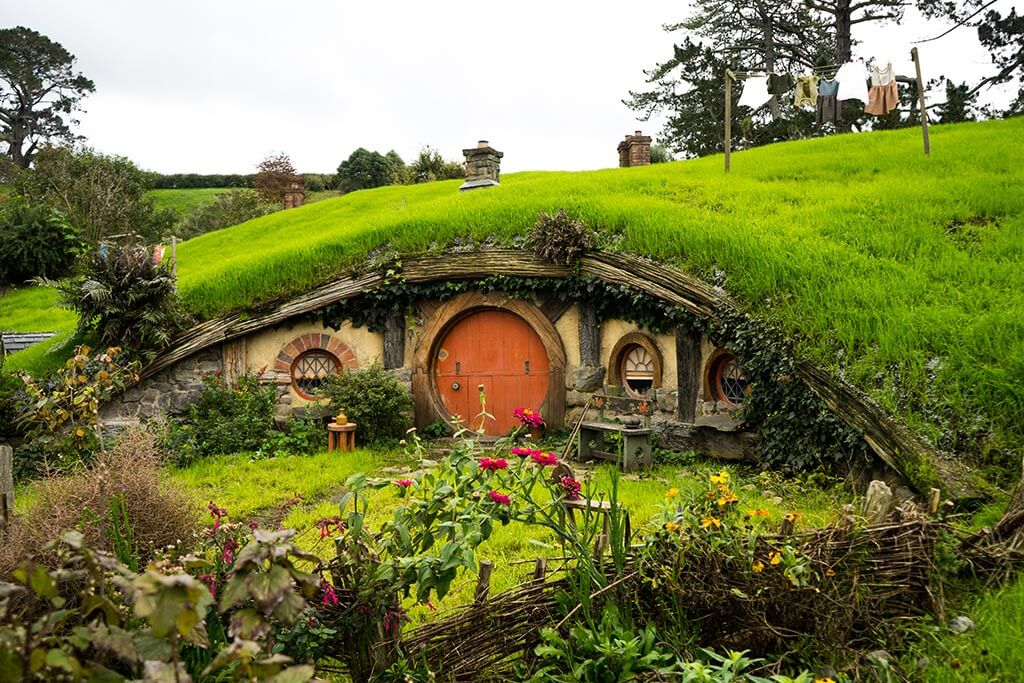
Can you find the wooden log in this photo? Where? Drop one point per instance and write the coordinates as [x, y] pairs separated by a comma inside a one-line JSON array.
[[483, 583], [687, 374], [934, 496], [6, 486], [394, 340], [540, 569], [590, 336]]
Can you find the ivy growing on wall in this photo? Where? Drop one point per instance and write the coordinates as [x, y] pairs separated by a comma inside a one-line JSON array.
[[797, 430]]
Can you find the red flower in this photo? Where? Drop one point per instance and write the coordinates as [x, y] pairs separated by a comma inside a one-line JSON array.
[[404, 483], [521, 451], [216, 513], [493, 464], [211, 583], [330, 597], [326, 523], [500, 498], [544, 459], [570, 488]]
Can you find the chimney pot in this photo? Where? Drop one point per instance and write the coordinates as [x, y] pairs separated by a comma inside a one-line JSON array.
[[481, 144]]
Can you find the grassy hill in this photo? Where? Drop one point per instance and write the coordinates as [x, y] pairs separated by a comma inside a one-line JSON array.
[[900, 272]]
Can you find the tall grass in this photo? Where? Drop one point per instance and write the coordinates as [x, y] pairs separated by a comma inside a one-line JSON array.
[[903, 273], [36, 309], [185, 199]]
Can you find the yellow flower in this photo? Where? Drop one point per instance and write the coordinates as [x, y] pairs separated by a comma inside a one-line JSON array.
[[823, 680], [720, 478], [793, 516], [709, 522], [760, 512], [723, 489], [758, 567], [671, 526], [672, 493], [829, 572], [79, 432], [774, 558], [726, 499]]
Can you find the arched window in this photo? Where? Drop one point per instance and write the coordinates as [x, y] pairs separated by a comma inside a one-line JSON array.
[[310, 370], [727, 380], [636, 365]]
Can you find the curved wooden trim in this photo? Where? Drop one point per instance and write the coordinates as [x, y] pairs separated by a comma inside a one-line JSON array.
[[711, 392], [614, 373], [428, 400]]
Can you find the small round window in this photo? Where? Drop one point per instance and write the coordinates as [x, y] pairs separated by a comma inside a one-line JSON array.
[[310, 370], [729, 380], [637, 369]]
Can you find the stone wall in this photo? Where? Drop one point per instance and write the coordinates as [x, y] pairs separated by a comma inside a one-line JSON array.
[[166, 393]]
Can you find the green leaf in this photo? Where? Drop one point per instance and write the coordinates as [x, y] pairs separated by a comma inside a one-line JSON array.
[[290, 608], [234, 593], [248, 625], [41, 583], [59, 659], [293, 674]]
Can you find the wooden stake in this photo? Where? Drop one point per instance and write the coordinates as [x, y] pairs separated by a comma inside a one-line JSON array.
[[728, 118], [920, 95], [933, 502], [483, 583], [540, 569], [174, 255], [6, 486]]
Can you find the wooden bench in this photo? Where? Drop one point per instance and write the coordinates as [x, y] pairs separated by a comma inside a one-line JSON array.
[[341, 437], [635, 450]]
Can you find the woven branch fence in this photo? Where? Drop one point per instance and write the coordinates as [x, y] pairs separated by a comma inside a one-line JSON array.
[[865, 578]]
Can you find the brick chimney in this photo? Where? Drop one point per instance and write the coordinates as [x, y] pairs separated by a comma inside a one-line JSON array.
[[294, 196], [635, 150], [483, 166]]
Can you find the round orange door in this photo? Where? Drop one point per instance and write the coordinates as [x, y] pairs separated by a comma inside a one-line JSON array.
[[500, 352]]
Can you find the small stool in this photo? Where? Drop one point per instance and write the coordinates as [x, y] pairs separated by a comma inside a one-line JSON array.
[[341, 437]]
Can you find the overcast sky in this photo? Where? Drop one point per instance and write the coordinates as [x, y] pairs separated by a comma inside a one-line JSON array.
[[214, 86]]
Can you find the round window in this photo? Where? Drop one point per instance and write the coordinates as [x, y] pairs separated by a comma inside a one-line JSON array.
[[310, 370], [729, 380], [637, 369]]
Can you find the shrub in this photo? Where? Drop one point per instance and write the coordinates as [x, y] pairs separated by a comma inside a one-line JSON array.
[[374, 400], [560, 239], [225, 419], [36, 240], [126, 298], [230, 208], [120, 503]]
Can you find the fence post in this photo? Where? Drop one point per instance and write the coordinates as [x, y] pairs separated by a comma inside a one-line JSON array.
[[6, 486], [483, 584]]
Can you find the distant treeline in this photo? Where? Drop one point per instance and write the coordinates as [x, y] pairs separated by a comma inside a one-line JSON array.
[[194, 180], [313, 181]]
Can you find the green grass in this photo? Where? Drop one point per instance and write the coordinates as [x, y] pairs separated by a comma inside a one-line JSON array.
[[35, 309], [900, 271], [184, 200]]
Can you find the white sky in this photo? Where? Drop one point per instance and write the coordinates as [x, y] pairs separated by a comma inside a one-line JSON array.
[[213, 86]]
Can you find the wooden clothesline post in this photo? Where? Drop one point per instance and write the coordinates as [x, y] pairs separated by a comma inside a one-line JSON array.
[[729, 76], [920, 95]]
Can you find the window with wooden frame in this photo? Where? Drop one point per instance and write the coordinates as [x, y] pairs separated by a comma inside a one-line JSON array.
[[636, 365], [727, 380], [310, 370]]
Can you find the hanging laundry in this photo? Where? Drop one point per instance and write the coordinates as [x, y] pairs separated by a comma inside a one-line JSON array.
[[853, 82], [884, 95], [779, 84], [806, 91], [158, 254], [828, 104], [755, 92]]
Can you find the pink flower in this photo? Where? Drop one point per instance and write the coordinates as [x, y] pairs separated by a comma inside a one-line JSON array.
[[392, 618], [404, 483], [330, 597], [544, 459], [500, 498], [493, 464], [252, 524], [528, 418], [211, 583], [570, 488], [230, 546], [216, 513], [521, 451], [326, 523]]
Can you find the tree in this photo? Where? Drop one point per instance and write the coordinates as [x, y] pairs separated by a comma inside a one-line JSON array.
[[103, 196], [846, 13], [430, 165], [275, 176], [1002, 36], [364, 169], [744, 35], [39, 89]]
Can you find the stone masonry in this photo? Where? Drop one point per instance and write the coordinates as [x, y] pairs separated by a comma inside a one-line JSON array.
[[635, 150], [483, 166]]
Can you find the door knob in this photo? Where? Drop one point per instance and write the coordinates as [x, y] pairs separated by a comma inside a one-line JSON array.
[[456, 386]]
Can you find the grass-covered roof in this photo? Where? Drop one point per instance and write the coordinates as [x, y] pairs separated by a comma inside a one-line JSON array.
[[902, 273]]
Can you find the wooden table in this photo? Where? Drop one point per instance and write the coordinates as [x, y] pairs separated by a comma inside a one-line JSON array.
[[341, 437], [636, 444]]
